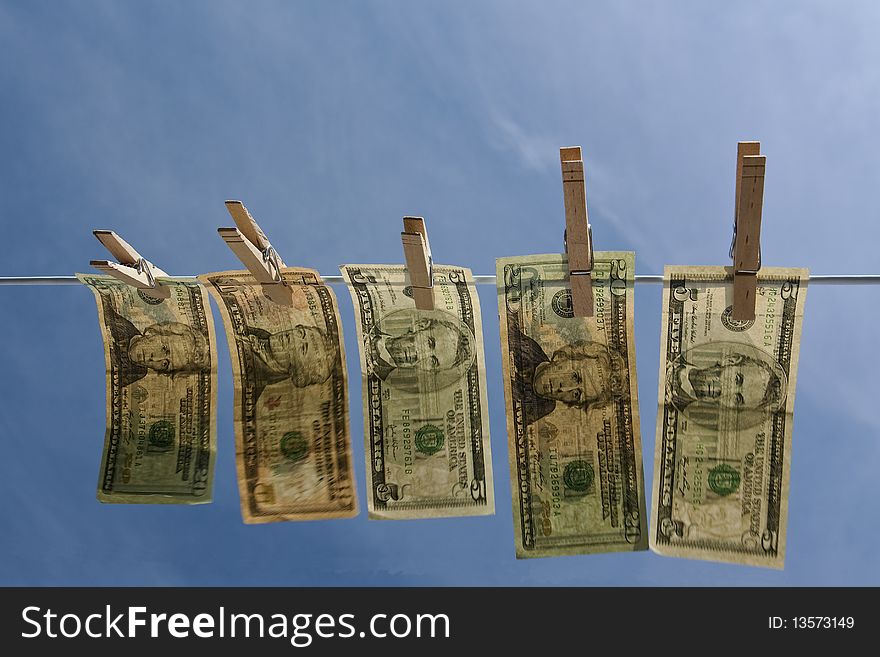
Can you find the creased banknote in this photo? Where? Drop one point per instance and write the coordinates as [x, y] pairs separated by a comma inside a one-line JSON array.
[[723, 447], [292, 442], [572, 408], [161, 361], [426, 424]]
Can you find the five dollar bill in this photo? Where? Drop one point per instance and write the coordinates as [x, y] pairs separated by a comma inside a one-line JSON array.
[[723, 449], [426, 418]]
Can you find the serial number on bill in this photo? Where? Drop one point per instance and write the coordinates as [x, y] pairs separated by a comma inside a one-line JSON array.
[[811, 623]]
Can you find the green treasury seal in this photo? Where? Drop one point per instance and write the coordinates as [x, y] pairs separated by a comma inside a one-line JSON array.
[[578, 476], [723, 480], [294, 446], [429, 439]]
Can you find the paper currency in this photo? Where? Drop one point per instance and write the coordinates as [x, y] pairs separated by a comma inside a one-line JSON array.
[[161, 361], [727, 387], [572, 408], [292, 443], [426, 425]]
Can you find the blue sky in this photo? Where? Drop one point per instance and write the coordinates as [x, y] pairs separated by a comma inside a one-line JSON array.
[[332, 120]]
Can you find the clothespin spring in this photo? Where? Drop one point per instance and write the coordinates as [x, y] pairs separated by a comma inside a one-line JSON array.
[[733, 250], [270, 257], [592, 259], [144, 268]]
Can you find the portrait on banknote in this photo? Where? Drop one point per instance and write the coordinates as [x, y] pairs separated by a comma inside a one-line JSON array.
[[420, 350], [580, 375], [716, 378], [167, 348]]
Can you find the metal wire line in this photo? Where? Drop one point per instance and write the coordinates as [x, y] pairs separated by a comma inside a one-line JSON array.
[[652, 279]]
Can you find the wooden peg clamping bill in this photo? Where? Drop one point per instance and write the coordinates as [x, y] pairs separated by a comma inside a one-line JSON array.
[[250, 244], [131, 268], [419, 263], [746, 250], [578, 235]]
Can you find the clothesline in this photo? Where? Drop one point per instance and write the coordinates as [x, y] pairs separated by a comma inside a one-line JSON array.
[[653, 279]]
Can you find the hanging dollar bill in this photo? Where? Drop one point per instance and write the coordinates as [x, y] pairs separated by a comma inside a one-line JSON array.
[[572, 408], [292, 443], [724, 423], [161, 363], [426, 425]]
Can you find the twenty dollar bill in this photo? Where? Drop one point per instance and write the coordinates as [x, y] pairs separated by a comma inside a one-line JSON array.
[[161, 363], [426, 425], [723, 447], [292, 443], [572, 408]]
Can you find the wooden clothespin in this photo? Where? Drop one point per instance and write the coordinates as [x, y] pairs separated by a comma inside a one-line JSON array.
[[132, 268], [578, 234], [419, 263], [252, 247], [745, 248]]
